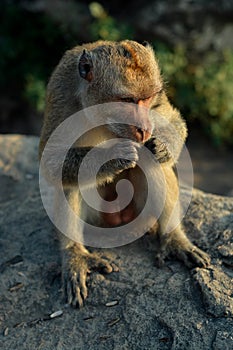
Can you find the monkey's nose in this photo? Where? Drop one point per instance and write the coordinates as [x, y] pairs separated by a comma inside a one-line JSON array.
[[142, 135]]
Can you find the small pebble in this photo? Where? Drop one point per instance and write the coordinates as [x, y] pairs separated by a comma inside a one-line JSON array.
[[112, 303], [56, 314], [6, 331]]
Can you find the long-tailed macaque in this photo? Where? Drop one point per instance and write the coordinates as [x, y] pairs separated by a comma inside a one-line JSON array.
[[126, 72]]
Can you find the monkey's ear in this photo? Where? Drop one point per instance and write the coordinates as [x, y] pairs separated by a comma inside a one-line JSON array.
[[145, 43], [85, 66]]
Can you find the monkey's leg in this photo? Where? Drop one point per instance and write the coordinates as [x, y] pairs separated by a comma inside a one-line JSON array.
[[77, 261], [172, 238]]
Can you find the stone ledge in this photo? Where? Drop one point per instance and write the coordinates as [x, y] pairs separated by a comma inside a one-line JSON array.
[[167, 308]]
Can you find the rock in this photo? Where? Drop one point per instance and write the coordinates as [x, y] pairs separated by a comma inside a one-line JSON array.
[[166, 308], [223, 340], [217, 291]]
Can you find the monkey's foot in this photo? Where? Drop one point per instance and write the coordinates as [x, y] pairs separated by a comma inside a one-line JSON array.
[[75, 276], [191, 255]]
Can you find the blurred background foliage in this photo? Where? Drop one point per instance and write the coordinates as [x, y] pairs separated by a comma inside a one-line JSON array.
[[35, 34], [201, 89]]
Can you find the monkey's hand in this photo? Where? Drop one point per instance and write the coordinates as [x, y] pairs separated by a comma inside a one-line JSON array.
[[123, 155], [159, 149], [75, 273]]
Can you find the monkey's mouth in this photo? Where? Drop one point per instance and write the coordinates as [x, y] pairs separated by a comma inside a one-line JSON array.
[[132, 132], [141, 135]]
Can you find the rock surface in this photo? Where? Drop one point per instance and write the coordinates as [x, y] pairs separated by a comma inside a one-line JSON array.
[[166, 308]]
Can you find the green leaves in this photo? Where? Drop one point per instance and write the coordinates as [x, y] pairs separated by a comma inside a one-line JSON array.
[[202, 88]]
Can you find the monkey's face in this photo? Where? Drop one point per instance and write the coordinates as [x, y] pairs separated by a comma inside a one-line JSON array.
[[116, 120], [124, 72]]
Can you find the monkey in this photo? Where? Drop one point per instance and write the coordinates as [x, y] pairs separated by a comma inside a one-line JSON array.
[[128, 73]]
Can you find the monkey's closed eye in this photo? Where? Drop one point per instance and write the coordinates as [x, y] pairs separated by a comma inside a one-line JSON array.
[[128, 100]]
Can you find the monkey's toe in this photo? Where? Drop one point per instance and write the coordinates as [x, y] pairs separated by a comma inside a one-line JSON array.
[[159, 260], [200, 258], [193, 257], [75, 287], [190, 255], [102, 265]]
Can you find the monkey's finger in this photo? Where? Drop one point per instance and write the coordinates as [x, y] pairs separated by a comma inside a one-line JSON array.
[[73, 294], [106, 259], [77, 300], [76, 290], [101, 265], [162, 156], [127, 164], [115, 268], [81, 283], [127, 149], [200, 258], [69, 293], [183, 256], [159, 260], [104, 266], [193, 257], [107, 267]]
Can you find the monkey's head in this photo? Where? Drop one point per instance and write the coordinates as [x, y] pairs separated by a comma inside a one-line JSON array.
[[118, 71], [123, 71]]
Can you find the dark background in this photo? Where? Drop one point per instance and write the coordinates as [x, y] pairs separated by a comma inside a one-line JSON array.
[[192, 39]]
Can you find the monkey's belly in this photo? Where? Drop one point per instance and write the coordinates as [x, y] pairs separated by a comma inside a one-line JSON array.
[[116, 217], [119, 217]]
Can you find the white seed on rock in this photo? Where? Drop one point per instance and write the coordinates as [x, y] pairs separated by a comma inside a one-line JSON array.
[[6, 331], [112, 303], [56, 314]]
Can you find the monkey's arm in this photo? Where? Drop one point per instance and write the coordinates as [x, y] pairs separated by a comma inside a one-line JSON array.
[[92, 169], [95, 168]]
